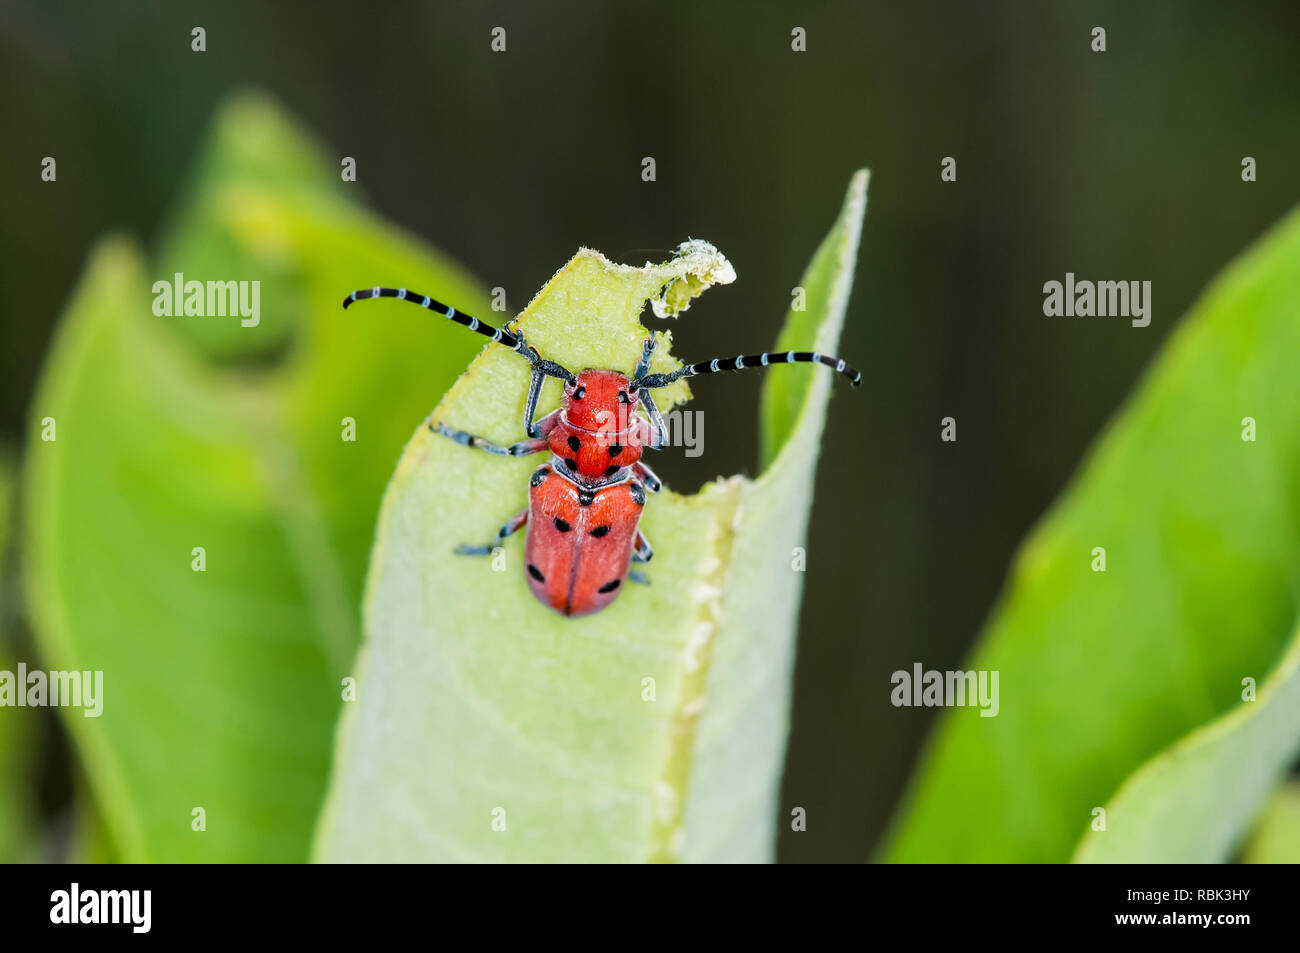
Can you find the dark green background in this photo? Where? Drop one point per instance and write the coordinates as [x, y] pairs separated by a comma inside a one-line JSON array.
[[1122, 165]]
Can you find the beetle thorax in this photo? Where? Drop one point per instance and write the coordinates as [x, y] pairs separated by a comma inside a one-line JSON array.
[[598, 430]]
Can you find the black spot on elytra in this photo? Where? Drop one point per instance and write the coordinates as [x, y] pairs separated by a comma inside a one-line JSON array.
[[575, 444], [638, 493], [538, 477], [610, 586], [612, 469], [571, 463], [600, 531], [615, 449], [562, 526], [536, 573], [586, 497]]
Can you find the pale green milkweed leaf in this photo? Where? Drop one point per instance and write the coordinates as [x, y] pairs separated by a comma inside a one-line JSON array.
[[1276, 837], [222, 687], [1192, 803], [1100, 671], [489, 728]]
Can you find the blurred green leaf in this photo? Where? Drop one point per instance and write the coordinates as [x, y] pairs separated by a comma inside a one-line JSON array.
[[1099, 671], [1193, 802], [16, 725], [250, 156], [17, 810], [473, 697], [90, 842], [1276, 838], [221, 687], [8, 493]]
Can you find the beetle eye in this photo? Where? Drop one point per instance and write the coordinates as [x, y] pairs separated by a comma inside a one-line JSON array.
[[579, 393], [622, 397]]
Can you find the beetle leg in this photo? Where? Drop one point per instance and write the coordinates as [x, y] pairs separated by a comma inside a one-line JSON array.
[[520, 449], [530, 407], [641, 550], [647, 476], [660, 435], [543, 427], [511, 525], [640, 578], [653, 433]]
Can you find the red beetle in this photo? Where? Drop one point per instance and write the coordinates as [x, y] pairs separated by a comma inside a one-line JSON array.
[[586, 501]]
